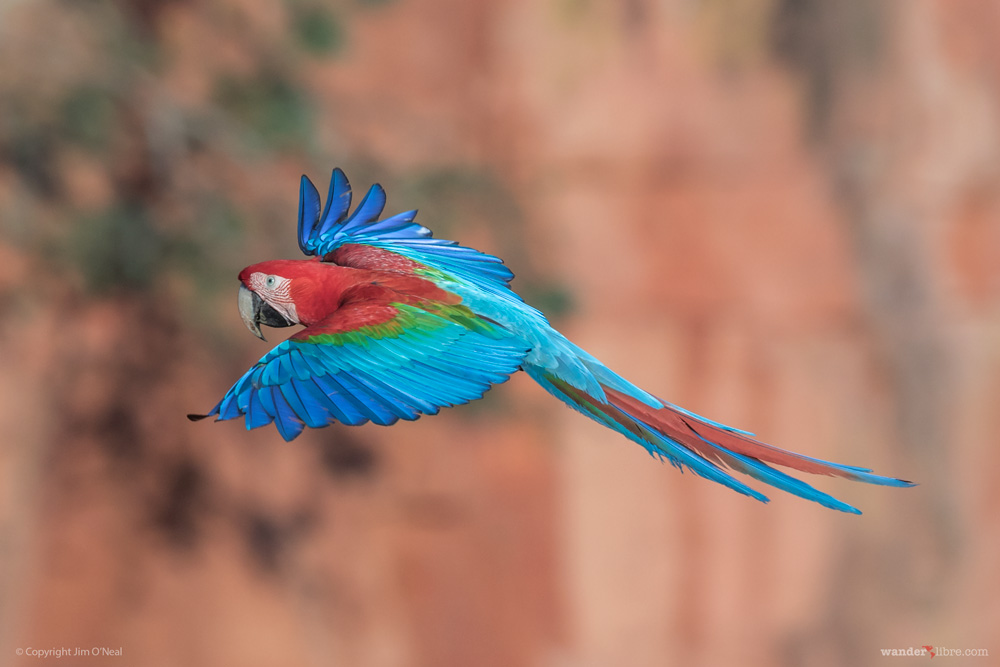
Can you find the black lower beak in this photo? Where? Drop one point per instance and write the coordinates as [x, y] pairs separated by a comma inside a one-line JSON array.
[[255, 311]]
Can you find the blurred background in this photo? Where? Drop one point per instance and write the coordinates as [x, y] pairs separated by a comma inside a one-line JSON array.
[[782, 214]]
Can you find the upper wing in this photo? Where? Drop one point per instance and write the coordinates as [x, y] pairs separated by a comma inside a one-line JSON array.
[[375, 362], [321, 233]]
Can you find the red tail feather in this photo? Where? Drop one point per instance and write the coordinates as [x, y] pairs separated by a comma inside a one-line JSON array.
[[686, 430]]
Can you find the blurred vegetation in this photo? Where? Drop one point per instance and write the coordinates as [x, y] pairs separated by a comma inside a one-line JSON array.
[[140, 174], [271, 108], [140, 142], [150, 149], [828, 45], [319, 30]]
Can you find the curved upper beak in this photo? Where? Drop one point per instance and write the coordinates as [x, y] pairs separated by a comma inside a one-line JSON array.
[[255, 311]]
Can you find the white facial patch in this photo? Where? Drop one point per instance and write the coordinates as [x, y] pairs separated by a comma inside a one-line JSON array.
[[276, 291]]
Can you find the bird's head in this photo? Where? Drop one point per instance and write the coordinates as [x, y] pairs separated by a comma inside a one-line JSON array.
[[265, 296]]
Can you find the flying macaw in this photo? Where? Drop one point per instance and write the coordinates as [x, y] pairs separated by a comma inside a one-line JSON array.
[[399, 324]]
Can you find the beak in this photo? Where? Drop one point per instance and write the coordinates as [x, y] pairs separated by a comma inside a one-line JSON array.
[[255, 311]]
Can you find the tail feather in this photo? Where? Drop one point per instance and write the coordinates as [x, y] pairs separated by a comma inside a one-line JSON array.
[[656, 443], [704, 446], [711, 436]]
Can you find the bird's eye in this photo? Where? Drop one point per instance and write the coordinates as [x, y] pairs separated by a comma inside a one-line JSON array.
[[269, 281]]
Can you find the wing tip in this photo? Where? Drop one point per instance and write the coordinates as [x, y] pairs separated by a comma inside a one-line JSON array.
[[894, 481], [308, 219]]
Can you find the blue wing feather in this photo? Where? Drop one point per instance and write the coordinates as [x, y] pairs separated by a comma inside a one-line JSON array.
[[316, 404], [291, 397], [411, 406], [431, 361], [416, 368], [289, 424], [308, 211], [266, 400], [256, 414], [367, 211], [398, 233], [378, 407], [230, 408], [396, 223], [338, 201], [345, 410]]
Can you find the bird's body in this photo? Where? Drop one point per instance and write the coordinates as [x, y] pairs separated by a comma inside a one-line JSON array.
[[399, 324]]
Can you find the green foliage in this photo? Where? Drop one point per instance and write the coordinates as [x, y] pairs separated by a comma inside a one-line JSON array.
[[269, 106], [87, 116], [319, 31], [207, 253], [123, 248], [117, 249]]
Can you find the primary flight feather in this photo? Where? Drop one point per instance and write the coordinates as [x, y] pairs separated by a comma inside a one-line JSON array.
[[399, 324]]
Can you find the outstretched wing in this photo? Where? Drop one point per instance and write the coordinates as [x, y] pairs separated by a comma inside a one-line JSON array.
[[323, 232], [377, 362]]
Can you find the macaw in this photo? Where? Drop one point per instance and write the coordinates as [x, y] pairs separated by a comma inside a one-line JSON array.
[[399, 324]]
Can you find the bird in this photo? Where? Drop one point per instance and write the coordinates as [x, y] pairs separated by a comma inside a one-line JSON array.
[[398, 324]]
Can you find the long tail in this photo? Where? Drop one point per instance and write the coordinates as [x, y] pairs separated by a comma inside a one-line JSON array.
[[690, 441]]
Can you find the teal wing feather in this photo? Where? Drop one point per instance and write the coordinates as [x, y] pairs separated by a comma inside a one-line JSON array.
[[323, 232], [480, 279], [416, 362]]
